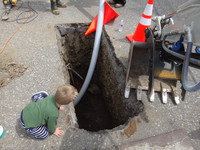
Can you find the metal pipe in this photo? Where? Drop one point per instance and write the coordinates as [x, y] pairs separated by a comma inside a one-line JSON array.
[[94, 53]]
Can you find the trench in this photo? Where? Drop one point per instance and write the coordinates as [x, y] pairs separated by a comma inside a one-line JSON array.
[[103, 106]]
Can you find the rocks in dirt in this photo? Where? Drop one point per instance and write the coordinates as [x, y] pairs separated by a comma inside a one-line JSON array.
[[9, 70]]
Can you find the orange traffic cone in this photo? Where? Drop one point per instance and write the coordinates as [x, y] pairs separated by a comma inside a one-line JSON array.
[[145, 21], [109, 14]]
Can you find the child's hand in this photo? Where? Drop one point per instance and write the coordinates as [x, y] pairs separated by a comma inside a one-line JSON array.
[[58, 132], [61, 107]]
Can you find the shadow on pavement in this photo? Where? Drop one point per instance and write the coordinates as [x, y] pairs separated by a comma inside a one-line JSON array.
[[21, 132]]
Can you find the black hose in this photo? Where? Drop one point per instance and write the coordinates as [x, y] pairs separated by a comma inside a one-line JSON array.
[[181, 56], [185, 84], [186, 62]]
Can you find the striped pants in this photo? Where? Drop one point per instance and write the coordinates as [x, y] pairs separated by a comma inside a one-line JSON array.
[[40, 132]]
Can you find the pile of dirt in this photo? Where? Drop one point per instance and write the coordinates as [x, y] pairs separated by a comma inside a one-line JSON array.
[[9, 70]]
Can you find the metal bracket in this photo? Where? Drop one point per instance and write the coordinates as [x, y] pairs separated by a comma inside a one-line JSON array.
[[160, 20], [157, 20]]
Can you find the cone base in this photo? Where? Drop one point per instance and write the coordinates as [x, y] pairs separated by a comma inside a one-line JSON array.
[[129, 37]]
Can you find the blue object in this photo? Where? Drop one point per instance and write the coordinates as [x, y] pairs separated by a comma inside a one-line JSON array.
[[177, 46], [39, 95], [197, 49]]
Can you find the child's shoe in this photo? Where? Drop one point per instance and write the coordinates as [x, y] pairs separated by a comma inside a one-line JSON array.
[[39, 95], [54, 8], [61, 4]]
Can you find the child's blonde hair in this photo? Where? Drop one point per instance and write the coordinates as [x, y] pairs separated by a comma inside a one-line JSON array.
[[65, 94]]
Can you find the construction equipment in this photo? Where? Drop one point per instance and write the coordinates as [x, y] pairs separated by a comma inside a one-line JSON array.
[[8, 5], [10, 2], [162, 63]]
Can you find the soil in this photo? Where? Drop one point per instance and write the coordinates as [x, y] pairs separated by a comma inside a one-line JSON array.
[[131, 129], [103, 106], [9, 69]]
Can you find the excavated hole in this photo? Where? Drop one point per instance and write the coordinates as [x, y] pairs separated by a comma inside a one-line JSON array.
[[103, 105]]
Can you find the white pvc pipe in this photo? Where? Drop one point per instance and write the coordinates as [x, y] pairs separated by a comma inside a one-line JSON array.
[[94, 53]]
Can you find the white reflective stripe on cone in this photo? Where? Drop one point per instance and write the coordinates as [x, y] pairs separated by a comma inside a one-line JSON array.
[[145, 21], [148, 10]]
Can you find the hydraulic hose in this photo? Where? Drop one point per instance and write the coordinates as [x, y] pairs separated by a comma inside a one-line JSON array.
[[181, 56], [94, 53], [186, 62]]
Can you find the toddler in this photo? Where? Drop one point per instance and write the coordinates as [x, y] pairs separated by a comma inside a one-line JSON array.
[[39, 117]]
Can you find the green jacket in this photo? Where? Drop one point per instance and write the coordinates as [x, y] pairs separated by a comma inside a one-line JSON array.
[[43, 112]]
